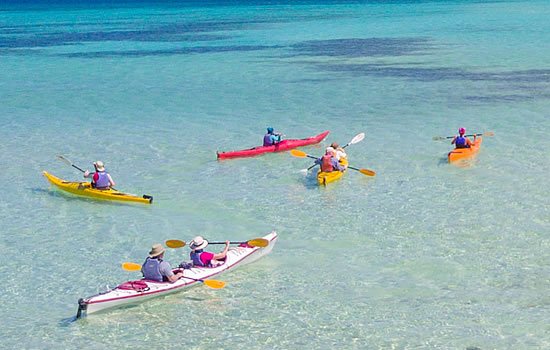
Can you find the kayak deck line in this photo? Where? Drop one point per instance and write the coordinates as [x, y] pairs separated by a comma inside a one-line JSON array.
[[122, 295]]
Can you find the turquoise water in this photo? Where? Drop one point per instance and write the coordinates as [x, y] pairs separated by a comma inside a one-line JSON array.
[[424, 255]]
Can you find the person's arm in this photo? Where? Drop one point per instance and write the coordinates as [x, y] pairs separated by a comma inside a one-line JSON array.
[[175, 277], [222, 255], [87, 174], [275, 139], [453, 141], [166, 270], [336, 164], [318, 161], [111, 182]]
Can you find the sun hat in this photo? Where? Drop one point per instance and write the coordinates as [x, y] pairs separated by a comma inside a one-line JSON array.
[[270, 130], [198, 243], [156, 250], [329, 150], [461, 131], [99, 165]]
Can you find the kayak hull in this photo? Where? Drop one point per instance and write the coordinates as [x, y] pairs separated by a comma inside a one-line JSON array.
[[86, 190], [284, 145], [461, 153], [123, 296], [323, 178]]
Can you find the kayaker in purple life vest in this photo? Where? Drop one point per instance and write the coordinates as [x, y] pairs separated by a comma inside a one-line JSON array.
[[156, 269], [329, 163], [101, 179], [461, 141], [202, 258], [271, 138]]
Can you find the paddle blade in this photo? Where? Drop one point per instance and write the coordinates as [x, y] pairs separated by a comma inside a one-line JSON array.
[[488, 133], [357, 138], [175, 243], [60, 157], [297, 153], [128, 266], [367, 172], [304, 171], [214, 284], [438, 138], [258, 242]]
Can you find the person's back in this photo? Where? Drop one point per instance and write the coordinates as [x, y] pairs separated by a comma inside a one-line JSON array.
[[151, 270], [101, 179], [155, 269], [271, 138], [461, 141]]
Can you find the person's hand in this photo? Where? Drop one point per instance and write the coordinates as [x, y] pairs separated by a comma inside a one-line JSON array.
[[227, 243], [86, 173]]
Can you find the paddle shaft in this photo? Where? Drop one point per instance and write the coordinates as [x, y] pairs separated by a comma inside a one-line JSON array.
[[451, 137]]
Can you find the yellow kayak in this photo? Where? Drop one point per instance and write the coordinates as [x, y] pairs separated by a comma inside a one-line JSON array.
[[324, 178], [85, 189]]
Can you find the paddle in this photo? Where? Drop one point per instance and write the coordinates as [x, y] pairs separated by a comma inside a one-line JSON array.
[[301, 154], [358, 138], [439, 138], [256, 242], [128, 266]]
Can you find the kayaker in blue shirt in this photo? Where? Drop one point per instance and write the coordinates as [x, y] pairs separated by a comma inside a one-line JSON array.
[[101, 179], [461, 141], [271, 138], [156, 269], [329, 163]]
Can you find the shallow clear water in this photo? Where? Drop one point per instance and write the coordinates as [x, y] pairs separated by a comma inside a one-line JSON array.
[[424, 255]]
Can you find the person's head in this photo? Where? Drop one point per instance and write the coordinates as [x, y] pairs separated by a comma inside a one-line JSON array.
[[270, 130], [198, 243], [99, 166], [157, 251], [329, 150], [334, 145], [461, 131]]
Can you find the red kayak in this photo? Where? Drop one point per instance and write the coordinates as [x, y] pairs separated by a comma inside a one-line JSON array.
[[281, 146]]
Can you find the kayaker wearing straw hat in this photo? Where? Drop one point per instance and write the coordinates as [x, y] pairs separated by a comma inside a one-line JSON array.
[[202, 258], [338, 152], [156, 269], [101, 179]]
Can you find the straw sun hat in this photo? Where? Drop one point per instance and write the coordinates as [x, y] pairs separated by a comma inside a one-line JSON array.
[[198, 243], [156, 250], [99, 165]]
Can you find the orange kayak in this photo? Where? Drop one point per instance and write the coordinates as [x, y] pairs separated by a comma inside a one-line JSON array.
[[459, 153]]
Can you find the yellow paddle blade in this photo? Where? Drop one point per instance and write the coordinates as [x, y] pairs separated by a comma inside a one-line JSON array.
[[128, 266], [214, 284], [298, 154], [258, 242], [175, 243], [367, 172]]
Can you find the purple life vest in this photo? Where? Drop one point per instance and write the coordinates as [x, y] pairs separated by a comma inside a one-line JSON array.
[[267, 140], [196, 257], [151, 269], [102, 180], [460, 142]]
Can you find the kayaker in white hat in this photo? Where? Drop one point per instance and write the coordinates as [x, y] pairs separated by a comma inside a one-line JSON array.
[[101, 179], [156, 269], [329, 163], [339, 153], [202, 258]]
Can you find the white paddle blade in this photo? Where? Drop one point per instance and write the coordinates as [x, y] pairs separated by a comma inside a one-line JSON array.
[[304, 171], [60, 157], [357, 138]]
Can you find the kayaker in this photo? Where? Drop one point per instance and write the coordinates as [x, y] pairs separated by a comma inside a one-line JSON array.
[[461, 141], [271, 138], [339, 152], [156, 269], [101, 179], [329, 163], [202, 258]]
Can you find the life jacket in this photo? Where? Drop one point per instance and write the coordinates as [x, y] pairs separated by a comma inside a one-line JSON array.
[[460, 142], [102, 180], [196, 257], [151, 269], [326, 163], [267, 140]]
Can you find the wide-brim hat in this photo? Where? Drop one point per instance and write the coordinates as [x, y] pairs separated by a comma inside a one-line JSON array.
[[329, 150], [156, 250], [198, 243], [99, 165]]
